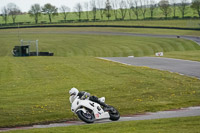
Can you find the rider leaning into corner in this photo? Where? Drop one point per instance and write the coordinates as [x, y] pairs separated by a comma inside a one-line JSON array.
[[74, 93]]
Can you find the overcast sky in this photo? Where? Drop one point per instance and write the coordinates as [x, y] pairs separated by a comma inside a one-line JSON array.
[[25, 5]]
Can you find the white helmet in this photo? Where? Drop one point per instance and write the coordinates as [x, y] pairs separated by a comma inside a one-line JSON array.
[[73, 92]]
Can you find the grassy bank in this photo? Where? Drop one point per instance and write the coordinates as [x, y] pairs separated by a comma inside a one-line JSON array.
[[64, 43], [189, 55], [173, 125]]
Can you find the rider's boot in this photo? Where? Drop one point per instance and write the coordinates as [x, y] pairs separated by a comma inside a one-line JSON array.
[[103, 104]]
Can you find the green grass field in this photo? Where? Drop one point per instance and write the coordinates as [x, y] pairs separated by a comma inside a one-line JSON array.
[[35, 89], [172, 125], [62, 43]]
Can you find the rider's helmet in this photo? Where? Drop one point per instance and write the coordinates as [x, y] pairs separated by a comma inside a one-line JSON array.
[[73, 92]]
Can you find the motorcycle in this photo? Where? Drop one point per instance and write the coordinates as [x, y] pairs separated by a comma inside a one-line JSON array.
[[89, 111]]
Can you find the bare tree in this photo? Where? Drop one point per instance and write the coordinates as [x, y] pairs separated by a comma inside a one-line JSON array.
[[50, 10], [78, 10], [86, 5], [94, 9], [108, 9], [183, 7], [64, 11], [123, 9], [129, 5], [143, 8], [165, 7], [152, 7], [13, 11], [174, 6], [101, 7], [5, 13], [115, 7], [135, 8], [35, 12], [196, 6]]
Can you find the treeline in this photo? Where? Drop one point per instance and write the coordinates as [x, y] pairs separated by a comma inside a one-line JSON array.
[[118, 9]]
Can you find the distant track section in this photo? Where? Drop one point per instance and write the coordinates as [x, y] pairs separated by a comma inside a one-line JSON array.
[[114, 26]]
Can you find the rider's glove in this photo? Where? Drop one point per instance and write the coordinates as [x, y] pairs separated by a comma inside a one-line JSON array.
[[85, 96]]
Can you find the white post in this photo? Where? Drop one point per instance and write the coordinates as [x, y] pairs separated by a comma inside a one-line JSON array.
[[21, 42]]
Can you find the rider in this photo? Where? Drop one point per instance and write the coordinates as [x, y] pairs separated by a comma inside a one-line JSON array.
[[84, 95]]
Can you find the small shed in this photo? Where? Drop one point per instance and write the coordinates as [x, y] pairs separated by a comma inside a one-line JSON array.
[[21, 50], [27, 50]]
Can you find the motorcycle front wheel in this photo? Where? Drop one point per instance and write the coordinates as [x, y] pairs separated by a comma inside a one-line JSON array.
[[114, 114], [86, 117]]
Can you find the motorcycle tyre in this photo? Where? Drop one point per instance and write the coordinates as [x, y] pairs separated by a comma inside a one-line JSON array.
[[115, 116], [80, 116]]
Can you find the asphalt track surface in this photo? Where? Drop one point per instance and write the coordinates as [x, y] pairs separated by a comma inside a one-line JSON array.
[[183, 67], [190, 68]]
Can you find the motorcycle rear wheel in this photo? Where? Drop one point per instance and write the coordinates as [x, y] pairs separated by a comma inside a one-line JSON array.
[[86, 117]]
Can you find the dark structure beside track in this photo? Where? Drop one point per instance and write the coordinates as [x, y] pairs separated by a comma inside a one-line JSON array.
[[19, 51]]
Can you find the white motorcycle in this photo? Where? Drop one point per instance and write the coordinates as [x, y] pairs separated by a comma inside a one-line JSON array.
[[89, 111]]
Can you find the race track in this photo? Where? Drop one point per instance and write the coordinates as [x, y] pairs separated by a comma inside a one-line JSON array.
[[183, 112], [189, 68], [184, 67]]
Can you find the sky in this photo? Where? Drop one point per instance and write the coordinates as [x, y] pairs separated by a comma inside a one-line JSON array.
[[25, 5]]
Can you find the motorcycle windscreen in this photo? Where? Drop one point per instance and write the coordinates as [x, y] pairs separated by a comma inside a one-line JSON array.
[[71, 99]]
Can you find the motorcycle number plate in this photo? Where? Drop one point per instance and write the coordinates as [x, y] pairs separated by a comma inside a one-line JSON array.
[[97, 115]]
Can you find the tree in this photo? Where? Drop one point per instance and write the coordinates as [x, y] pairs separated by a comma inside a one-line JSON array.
[[78, 10], [108, 9], [5, 13], [35, 12], [101, 5], [50, 10], [174, 6], [13, 11], [86, 5], [123, 8], [115, 7], [152, 7], [129, 5], [143, 8], [165, 7], [183, 7], [94, 9], [196, 6], [135, 9], [65, 11]]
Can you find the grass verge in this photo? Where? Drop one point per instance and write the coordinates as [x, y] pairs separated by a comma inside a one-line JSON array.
[[64, 43], [172, 125], [35, 89], [189, 55]]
